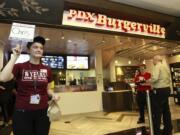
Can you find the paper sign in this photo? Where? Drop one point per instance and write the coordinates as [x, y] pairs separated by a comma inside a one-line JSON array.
[[22, 32]]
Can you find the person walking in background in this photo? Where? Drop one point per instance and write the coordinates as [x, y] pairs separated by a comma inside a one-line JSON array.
[[142, 86], [33, 88], [161, 91]]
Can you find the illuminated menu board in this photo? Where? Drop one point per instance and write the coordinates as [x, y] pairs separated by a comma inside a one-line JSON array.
[[56, 62], [77, 62]]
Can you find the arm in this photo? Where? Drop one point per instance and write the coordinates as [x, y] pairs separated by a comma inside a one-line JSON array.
[[147, 77], [155, 74], [6, 73], [51, 93]]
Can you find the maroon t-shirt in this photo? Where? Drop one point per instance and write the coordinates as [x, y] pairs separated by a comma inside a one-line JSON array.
[[31, 80]]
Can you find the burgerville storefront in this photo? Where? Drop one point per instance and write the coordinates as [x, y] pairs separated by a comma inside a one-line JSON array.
[[90, 47]]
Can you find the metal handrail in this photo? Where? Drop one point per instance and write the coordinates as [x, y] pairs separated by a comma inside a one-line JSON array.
[[149, 113]]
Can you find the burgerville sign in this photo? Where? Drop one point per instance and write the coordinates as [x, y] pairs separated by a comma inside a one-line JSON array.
[[91, 20]]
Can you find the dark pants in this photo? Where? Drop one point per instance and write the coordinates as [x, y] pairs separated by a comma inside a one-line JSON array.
[[5, 101], [5, 113], [141, 101], [30, 122], [160, 107]]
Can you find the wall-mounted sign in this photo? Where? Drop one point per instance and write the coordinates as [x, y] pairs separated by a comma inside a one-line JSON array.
[[34, 11], [23, 32], [85, 19]]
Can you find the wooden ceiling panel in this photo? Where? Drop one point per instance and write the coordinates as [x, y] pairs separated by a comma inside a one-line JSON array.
[[85, 43]]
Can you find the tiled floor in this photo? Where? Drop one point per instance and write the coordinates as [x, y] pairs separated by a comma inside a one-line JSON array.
[[101, 123]]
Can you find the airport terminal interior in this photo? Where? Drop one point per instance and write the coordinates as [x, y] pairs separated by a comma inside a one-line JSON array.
[[87, 68]]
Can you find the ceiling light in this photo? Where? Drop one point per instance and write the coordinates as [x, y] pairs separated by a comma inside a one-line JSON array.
[[60, 73], [116, 37], [103, 40], [116, 62], [143, 42], [62, 36], [144, 62], [69, 41], [154, 48], [129, 62], [47, 39], [174, 50]]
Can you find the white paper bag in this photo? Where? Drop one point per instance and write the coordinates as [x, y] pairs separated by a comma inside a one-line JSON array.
[[54, 112]]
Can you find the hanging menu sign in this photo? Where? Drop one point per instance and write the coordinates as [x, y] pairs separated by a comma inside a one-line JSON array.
[[85, 19]]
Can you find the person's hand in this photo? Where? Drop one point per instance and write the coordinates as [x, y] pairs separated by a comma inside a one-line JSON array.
[[2, 88], [55, 97], [17, 50]]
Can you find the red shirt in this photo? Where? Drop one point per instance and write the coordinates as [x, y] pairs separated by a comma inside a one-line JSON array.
[[31, 79], [140, 78]]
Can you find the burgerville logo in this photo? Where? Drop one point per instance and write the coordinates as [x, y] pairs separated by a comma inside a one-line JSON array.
[[80, 18]]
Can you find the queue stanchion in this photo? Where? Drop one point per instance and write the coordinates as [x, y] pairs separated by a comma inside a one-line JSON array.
[[149, 112]]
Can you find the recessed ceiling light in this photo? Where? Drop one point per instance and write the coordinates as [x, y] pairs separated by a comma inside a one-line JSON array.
[[116, 37], [154, 48], [144, 61], [62, 37], [47, 39], [69, 41], [103, 41]]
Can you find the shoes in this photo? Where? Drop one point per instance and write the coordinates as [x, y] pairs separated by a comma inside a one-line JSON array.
[[140, 121]]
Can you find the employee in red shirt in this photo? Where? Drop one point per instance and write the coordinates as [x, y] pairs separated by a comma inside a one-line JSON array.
[[33, 88], [141, 78]]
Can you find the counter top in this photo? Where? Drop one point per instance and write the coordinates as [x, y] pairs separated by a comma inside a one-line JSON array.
[[117, 91]]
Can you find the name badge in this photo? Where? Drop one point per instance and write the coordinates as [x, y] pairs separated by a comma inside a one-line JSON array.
[[35, 99]]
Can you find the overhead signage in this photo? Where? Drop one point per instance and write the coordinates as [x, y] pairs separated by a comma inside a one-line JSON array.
[[23, 32], [85, 19], [43, 12]]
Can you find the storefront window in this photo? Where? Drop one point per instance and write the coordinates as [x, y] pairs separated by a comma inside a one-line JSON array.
[[74, 80]]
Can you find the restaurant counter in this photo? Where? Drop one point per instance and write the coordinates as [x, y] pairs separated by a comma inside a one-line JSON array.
[[119, 100], [74, 88]]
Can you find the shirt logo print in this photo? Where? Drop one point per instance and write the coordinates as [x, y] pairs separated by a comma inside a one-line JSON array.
[[30, 75]]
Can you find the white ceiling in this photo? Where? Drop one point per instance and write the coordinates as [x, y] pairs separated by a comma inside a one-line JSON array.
[[170, 7]]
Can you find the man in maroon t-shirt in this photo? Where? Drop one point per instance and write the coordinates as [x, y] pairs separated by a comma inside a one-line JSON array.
[[142, 86]]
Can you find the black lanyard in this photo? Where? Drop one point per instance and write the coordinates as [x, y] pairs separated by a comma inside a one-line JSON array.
[[34, 81]]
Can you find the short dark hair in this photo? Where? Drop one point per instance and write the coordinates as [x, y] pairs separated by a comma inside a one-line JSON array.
[[38, 39]]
